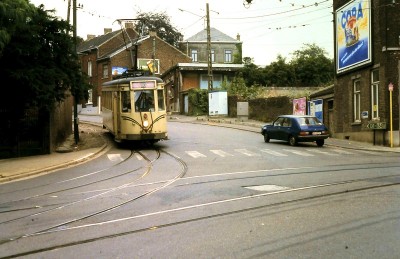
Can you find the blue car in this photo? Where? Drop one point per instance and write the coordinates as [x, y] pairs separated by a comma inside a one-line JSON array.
[[295, 129]]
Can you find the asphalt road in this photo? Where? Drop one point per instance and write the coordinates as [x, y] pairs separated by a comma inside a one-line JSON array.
[[209, 192]]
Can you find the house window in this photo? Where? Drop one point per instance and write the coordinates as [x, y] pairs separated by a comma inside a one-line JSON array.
[[105, 71], [357, 101], [213, 55], [90, 96], [374, 94], [89, 68], [194, 55], [228, 56]]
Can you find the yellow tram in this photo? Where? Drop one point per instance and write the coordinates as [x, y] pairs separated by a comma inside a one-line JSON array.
[[133, 109]]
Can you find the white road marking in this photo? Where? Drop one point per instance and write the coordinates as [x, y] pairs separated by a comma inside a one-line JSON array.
[[300, 153], [340, 151], [321, 152], [271, 152], [221, 153], [195, 154], [246, 152], [115, 157]]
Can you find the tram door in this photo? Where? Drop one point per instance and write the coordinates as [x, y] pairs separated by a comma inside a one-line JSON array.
[[116, 122]]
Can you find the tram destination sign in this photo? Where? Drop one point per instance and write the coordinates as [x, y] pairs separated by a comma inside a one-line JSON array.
[[376, 125]]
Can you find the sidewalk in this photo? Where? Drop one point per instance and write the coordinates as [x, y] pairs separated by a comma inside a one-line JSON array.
[[19, 168]]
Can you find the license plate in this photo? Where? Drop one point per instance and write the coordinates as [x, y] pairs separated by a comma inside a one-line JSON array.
[[316, 133]]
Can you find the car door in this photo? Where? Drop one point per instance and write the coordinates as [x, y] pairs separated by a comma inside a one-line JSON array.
[[275, 129], [285, 131]]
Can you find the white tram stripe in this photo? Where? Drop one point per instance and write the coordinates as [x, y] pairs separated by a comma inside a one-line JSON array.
[[272, 152], [195, 154], [297, 152], [246, 152], [221, 153]]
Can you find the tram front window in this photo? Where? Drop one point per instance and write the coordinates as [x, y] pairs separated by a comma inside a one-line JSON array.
[[144, 101]]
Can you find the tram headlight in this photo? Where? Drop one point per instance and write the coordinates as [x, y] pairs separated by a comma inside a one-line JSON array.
[[145, 122]]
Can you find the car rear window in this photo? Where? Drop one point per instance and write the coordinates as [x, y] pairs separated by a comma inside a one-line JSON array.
[[309, 121]]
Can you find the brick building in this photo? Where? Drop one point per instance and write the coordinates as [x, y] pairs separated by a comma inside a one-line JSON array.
[[367, 52], [113, 53], [226, 58]]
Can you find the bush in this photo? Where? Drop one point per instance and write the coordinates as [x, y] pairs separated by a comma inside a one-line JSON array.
[[198, 102]]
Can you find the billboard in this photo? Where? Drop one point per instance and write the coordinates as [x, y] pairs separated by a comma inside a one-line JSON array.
[[149, 65], [353, 35], [300, 106], [315, 109]]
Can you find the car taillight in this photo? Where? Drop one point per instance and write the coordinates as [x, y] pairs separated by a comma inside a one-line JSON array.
[[304, 133]]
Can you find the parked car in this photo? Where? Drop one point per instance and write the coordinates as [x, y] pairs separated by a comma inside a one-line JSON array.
[[296, 128]]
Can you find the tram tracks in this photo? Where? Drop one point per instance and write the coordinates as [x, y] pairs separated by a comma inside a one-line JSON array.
[[376, 183], [346, 187], [147, 169]]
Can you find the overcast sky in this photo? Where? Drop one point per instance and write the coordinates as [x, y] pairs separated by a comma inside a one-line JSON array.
[[266, 27]]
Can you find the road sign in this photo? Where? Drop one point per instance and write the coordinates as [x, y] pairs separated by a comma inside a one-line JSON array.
[[376, 125]]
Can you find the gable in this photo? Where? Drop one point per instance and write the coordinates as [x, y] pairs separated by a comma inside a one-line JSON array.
[[216, 36]]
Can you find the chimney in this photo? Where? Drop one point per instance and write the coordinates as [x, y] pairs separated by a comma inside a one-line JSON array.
[[90, 36], [238, 37], [152, 33], [107, 30]]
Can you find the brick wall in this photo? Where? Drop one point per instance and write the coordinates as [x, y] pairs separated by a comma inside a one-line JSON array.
[[385, 34]]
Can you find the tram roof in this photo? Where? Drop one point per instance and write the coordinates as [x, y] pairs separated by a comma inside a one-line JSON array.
[[127, 80]]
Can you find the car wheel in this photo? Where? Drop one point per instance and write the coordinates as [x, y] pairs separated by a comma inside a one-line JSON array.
[[266, 137], [320, 142], [292, 141]]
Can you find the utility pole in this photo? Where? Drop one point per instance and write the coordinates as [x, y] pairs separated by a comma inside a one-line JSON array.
[[68, 11], [76, 128], [210, 76]]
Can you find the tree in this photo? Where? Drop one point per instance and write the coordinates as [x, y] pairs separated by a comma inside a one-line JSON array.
[[160, 23], [280, 73], [251, 73], [12, 15], [39, 58], [312, 67]]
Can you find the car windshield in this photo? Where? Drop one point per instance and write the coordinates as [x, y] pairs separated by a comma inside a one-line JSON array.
[[308, 121]]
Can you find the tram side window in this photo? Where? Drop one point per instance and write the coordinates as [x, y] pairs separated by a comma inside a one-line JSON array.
[[160, 94], [126, 101], [144, 101]]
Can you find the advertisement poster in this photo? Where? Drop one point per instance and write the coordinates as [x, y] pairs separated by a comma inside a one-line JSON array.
[[315, 109], [118, 70], [300, 106], [353, 35], [147, 64]]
